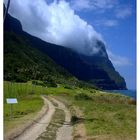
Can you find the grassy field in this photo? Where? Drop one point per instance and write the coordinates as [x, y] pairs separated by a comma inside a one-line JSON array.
[[29, 103], [21, 90], [104, 118], [105, 114]]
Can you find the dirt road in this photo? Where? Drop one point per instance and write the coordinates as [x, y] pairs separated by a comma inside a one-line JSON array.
[[37, 128], [63, 133]]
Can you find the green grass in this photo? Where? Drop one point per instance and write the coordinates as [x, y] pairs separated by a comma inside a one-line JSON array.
[[20, 90], [104, 113], [102, 118], [22, 112], [29, 103]]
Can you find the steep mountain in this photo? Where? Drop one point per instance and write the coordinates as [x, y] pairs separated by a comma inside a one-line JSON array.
[[96, 69], [22, 62]]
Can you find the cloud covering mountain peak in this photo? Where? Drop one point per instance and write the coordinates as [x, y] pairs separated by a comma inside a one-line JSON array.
[[57, 23]]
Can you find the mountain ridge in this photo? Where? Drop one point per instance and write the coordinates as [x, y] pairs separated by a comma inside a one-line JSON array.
[[96, 69]]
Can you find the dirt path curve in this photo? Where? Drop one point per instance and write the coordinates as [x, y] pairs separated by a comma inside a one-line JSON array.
[[37, 128], [64, 132]]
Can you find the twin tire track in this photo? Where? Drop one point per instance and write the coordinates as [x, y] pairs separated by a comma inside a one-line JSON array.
[[64, 132], [36, 129]]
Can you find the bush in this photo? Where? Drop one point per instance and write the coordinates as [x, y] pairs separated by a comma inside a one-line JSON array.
[[68, 87], [132, 102], [82, 96]]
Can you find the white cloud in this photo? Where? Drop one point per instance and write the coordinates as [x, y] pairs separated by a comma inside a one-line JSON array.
[[56, 23], [123, 12], [93, 4], [111, 23], [107, 22], [105, 3], [118, 60], [81, 4]]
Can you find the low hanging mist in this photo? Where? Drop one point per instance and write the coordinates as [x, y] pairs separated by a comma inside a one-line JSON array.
[[56, 23]]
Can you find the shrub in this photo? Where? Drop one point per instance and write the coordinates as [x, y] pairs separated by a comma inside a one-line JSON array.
[[132, 102], [82, 96], [68, 87]]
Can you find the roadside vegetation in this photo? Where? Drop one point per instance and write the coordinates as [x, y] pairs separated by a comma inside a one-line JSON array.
[[105, 115], [29, 103]]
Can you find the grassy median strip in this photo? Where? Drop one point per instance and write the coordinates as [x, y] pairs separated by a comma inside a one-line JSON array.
[[56, 122]]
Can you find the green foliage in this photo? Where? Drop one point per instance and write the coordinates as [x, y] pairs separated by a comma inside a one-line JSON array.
[[21, 90], [23, 63], [82, 96], [29, 102], [68, 87], [27, 105], [104, 114]]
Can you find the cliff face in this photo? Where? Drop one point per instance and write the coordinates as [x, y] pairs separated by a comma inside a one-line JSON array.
[[96, 69], [22, 62]]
